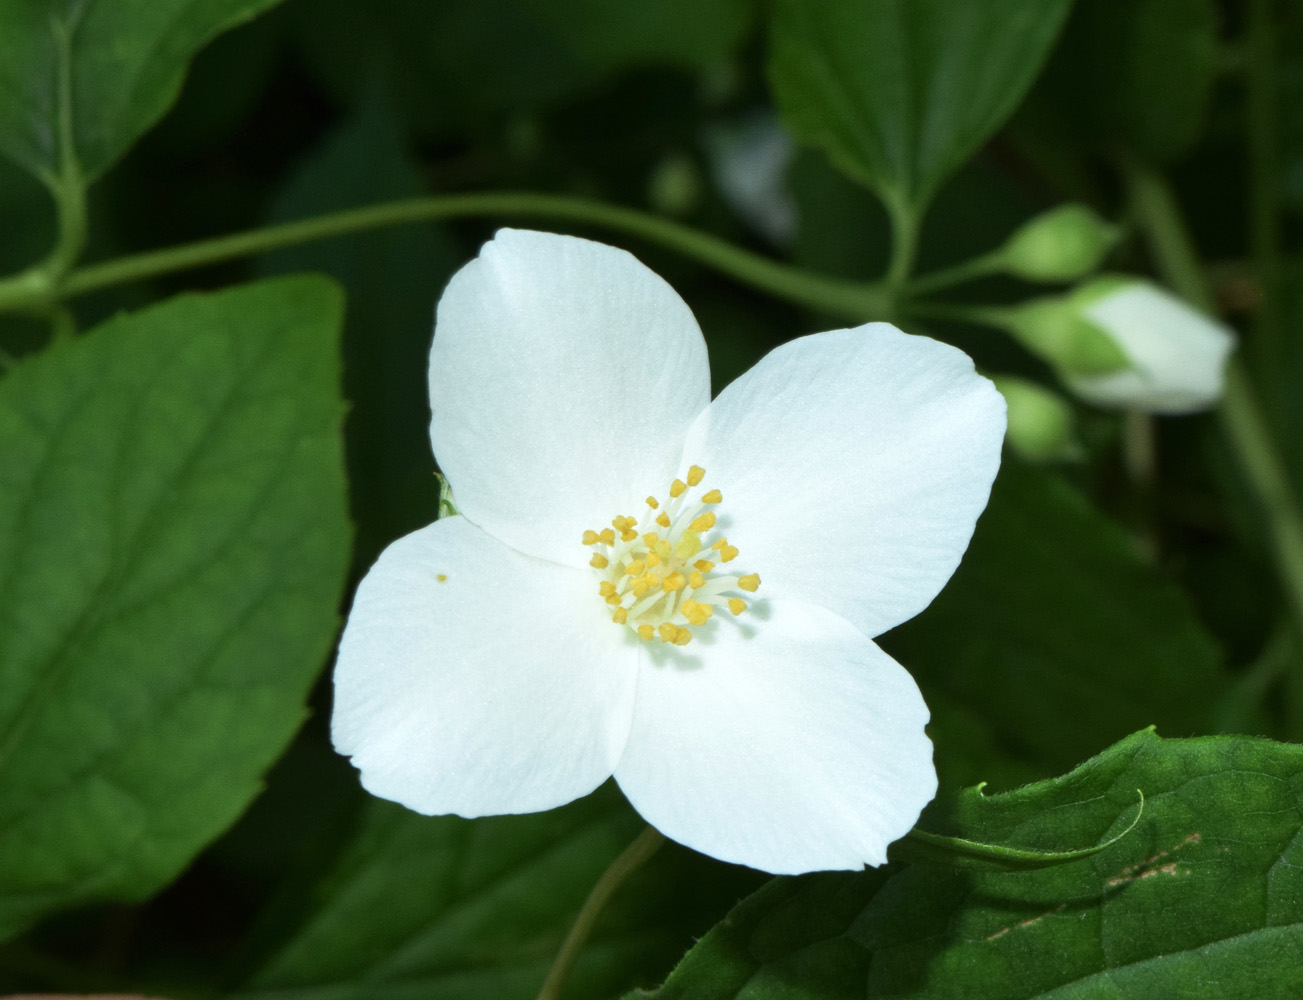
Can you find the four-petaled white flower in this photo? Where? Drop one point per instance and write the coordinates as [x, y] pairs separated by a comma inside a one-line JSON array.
[[647, 584]]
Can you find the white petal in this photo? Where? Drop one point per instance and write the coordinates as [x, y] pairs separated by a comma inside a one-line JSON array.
[[789, 744], [1179, 354], [502, 688], [563, 377], [853, 465]]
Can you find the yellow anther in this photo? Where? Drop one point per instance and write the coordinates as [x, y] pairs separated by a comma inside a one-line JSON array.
[[695, 612], [703, 523], [652, 581], [688, 545]]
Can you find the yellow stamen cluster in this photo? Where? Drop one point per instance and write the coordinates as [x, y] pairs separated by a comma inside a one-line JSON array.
[[653, 573]]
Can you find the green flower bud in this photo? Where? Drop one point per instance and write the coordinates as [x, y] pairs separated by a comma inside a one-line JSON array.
[[1062, 244], [1041, 423], [675, 186]]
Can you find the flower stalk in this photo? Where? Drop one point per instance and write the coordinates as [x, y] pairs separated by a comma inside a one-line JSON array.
[[1242, 419], [617, 872], [853, 299]]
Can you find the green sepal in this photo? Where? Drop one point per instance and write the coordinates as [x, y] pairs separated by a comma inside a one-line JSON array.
[[1057, 331], [446, 506]]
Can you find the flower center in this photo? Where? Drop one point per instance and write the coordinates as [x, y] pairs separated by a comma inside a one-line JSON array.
[[663, 574]]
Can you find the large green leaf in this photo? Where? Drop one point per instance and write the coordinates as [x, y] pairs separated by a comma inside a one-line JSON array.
[[900, 92], [1203, 900], [452, 908], [118, 63], [173, 541], [1056, 632]]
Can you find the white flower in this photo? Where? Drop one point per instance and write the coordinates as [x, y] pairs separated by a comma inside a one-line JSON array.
[[1178, 355], [512, 658]]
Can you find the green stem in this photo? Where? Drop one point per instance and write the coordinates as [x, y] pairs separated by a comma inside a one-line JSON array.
[[1246, 427], [977, 267], [855, 300], [629, 860], [1242, 419], [904, 241], [1163, 224], [1140, 459], [995, 317], [68, 186], [1264, 172]]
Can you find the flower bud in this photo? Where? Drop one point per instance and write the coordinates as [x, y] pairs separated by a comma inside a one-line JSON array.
[[1063, 244], [1056, 330], [1177, 354], [1041, 423], [675, 186]]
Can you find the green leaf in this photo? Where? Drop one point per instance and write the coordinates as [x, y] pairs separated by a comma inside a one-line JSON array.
[[173, 542], [452, 908], [1069, 638], [900, 92], [1203, 900], [121, 63]]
